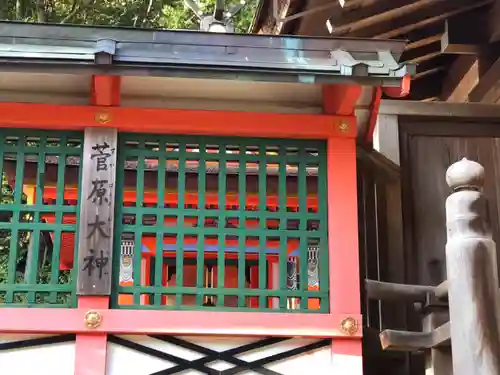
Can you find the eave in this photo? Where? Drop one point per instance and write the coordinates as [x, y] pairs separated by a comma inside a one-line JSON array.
[[131, 52]]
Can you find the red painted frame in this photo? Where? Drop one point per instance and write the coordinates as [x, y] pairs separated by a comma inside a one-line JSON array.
[[14, 320], [172, 121], [340, 133]]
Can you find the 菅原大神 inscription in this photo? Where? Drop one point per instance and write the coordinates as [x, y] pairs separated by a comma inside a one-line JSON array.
[[96, 227]]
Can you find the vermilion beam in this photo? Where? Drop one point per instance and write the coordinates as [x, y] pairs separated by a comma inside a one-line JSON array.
[[340, 99], [172, 221], [43, 320], [211, 198], [172, 121], [150, 242]]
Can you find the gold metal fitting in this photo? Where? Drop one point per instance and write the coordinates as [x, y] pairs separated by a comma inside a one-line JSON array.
[[93, 319], [344, 126], [349, 326], [103, 117]]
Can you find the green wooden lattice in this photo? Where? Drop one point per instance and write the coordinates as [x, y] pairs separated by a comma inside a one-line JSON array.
[[209, 168], [30, 250]]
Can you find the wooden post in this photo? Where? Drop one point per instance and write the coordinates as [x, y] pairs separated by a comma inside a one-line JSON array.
[[97, 200], [472, 274], [438, 360], [95, 240]]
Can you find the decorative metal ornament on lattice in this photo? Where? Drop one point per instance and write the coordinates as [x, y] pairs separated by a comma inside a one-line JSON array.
[[292, 283], [126, 261], [313, 266], [292, 280]]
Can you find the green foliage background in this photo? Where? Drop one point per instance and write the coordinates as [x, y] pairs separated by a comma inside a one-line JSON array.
[[168, 14]]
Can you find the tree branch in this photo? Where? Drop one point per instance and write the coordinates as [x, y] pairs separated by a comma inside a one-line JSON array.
[[145, 20], [74, 8], [19, 7], [41, 11]]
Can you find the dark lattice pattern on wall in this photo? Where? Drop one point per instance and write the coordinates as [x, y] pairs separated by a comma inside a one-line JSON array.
[[210, 355]]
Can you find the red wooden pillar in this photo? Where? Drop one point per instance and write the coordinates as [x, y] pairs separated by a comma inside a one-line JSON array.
[[344, 256], [343, 231], [91, 347]]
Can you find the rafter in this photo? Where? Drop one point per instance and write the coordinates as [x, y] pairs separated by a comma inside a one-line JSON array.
[[463, 76], [358, 4], [431, 20], [423, 42], [459, 40], [428, 72], [382, 17], [488, 88], [421, 59], [493, 23]]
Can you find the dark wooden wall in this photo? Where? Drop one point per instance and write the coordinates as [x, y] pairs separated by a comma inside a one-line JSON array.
[[381, 257], [428, 148], [402, 224]]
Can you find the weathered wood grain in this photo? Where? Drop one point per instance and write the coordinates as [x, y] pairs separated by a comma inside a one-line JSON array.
[[426, 193], [471, 263], [95, 239], [415, 341], [399, 292]]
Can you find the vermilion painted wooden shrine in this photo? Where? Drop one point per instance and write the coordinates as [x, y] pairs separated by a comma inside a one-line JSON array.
[[168, 192]]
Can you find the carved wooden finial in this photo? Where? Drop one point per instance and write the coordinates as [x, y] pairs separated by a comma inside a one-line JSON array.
[[465, 174]]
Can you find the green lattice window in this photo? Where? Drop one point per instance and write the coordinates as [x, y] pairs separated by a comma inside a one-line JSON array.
[[38, 217], [221, 223]]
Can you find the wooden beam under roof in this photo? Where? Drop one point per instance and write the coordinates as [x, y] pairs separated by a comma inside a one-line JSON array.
[[458, 38], [367, 21], [269, 24], [428, 72], [351, 15], [494, 23], [419, 55], [422, 58], [342, 11], [462, 77], [431, 20], [397, 14], [424, 42], [487, 89], [359, 4]]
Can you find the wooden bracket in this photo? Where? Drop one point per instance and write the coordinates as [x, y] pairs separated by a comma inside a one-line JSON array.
[[106, 90], [384, 291], [401, 91], [340, 100], [415, 341]]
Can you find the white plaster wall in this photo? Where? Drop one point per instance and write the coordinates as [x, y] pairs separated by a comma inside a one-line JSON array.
[[57, 359], [124, 361]]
